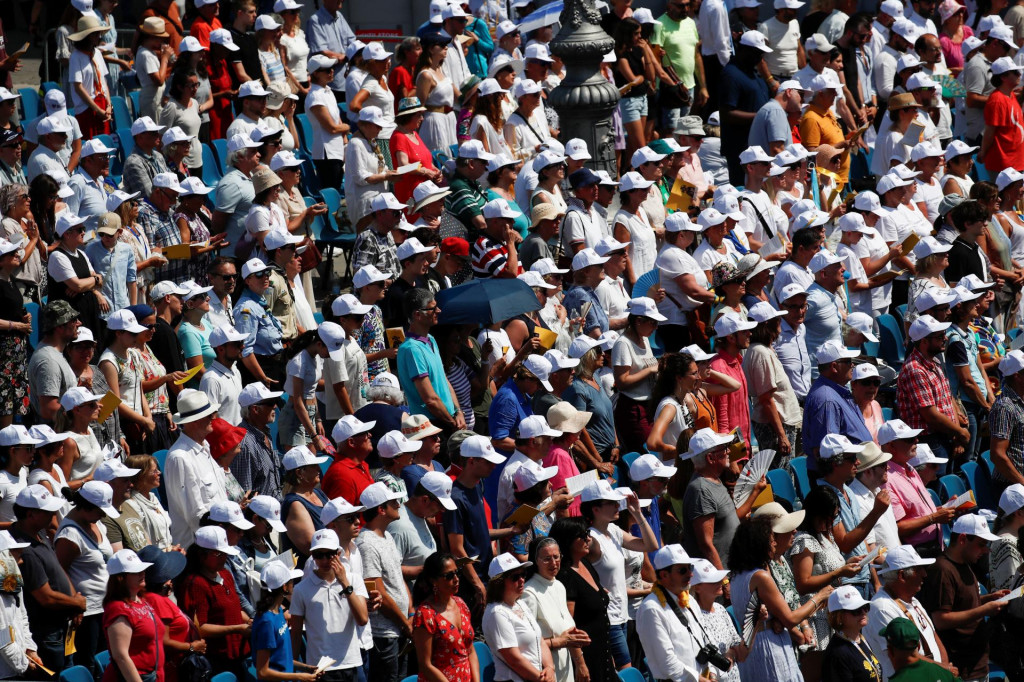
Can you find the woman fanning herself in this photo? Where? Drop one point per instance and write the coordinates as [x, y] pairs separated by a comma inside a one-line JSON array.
[[441, 629], [772, 656]]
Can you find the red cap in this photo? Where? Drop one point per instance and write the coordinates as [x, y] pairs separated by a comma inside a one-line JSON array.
[[456, 246], [224, 438]]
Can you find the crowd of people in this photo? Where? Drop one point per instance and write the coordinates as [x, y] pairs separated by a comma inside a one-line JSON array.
[[794, 271]]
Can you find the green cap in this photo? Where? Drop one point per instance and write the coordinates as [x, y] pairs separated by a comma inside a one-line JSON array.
[[661, 147], [901, 633]]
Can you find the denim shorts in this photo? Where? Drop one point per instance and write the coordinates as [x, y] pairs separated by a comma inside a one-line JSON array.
[[632, 108], [617, 638]]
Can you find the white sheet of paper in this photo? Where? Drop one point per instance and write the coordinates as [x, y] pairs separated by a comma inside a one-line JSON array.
[[407, 168], [576, 484], [871, 556], [959, 500], [772, 246], [324, 663], [1014, 594]]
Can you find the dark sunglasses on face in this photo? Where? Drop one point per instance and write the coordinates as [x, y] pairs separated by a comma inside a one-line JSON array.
[[516, 575], [450, 575], [323, 556], [871, 382]]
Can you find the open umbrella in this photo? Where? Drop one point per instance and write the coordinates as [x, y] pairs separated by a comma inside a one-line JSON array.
[[486, 301]]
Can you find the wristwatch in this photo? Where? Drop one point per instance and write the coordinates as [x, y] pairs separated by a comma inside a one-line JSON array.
[[346, 591]]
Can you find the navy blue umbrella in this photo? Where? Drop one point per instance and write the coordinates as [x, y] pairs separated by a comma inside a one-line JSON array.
[[486, 301]]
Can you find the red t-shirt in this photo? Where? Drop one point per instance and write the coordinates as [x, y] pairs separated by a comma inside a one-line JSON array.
[[346, 478], [178, 625], [201, 29], [217, 604], [1003, 115], [147, 644], [399, 81], [416, 151]]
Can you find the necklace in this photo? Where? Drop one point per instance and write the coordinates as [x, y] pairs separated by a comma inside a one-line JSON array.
[[870, 662]]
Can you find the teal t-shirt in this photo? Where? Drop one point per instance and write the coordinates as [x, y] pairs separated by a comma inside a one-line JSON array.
[[419, 357], [196, 342]]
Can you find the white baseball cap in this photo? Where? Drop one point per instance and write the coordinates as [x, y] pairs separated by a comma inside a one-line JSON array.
[[252, 89], [300, 456], [339, 506], [935, 296], [276, 575], [1011, 363], [868, 201], [257, 392], [889, 182], [167, 181], [534, 279], [754, 154], [643, 306], [764, 312], [586, 258], [440, 486], [894, 8], [925, 325], [649, 466], [325, 538], [959, 148], [964, 295], [790, 290], [319, 62], [1012, 498], [377, 494], [17, 434], [670, 555], [559, 361], [540, 368], [474, 149], [1007, 177], [36, 496], [835, 445], [581, 345], [349, 426], [66, 220], [52, 124], [680, 222], [822, 260], [412, 247], [226, 511], [222, 37], [394, 443], [704, 572], [538, 51], [922, 81], [536, 426], [853, 222], [124, 320], [576, 149], [268, 509], [755, 39], [375, 52], [633, 180], [499, 208], [896, 429], [730, 323], [505, 563], [45, 435], [832, 350], [971, 524], [1003, 33], [96, 146], [101, 495], [145, 124], [903, 557], [126, 561], [239, 141], [819, 43], [846, 598], [705, 440], [546, 266], [111, 469], [924, 455], [480, 446], [645, 155], [373, 115], [600, 490], [531, 474], [863, 323]]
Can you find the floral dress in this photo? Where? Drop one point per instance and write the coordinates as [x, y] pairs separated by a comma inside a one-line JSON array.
[[720, 632], [451, 646], [197, 265], [539, 527], [827, 558], [371, 340], [152, 368]]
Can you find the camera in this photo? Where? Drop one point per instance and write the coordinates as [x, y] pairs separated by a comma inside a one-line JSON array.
[[710, 654]]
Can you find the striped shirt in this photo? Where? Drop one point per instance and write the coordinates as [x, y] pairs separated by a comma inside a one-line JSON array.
[[1006, 422], [490, 257], [256, 467], [466, 201]]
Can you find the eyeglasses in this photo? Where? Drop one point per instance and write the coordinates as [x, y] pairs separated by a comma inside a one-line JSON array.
[[844, 361], [193, 86], [150, 327], [795, 306], [858, 611], [428, 310], [682, 569], [850, 458]]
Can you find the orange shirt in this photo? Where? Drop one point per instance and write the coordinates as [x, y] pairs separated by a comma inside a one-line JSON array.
[[819, 126]]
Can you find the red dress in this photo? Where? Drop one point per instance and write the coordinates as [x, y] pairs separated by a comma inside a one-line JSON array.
[[451, 647], [220, 113], [416, 150], [147, 646], [217, 604]]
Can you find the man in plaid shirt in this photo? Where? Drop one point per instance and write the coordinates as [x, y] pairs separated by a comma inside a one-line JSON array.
[[1006, 422], [157, 222], [922, 391]]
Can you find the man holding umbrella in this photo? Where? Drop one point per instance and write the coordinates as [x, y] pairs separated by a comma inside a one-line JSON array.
[[420, 370]]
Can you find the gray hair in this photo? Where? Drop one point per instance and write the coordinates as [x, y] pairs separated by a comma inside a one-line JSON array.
[[235, 155], [387, 394], [890, 577], [9, 195]]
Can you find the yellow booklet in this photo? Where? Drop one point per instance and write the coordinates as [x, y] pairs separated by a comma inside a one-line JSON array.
[[910, 242], [177, 252], [521, 516], [188, 375], [682, 196], [547, 338], [108, 403], [395, 336]]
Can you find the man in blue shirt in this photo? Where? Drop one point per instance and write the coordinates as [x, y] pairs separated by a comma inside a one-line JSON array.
[[772, 128], [328, 33], [587, 273], [837, 465], [115, 261], [829, 408], [262, 359], [825, 308], [420, 371], [742, 94], [467, 527], [89, 182], [791, 346]]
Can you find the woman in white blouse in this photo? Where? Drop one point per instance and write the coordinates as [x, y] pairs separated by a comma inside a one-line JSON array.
[[294, 48], [544, 597], [488, 120], [520, 651], [632, 226], [366, 172], [155, 520], [374, 90], [46, 470], [265, 213], [325, 118], [527, 128]]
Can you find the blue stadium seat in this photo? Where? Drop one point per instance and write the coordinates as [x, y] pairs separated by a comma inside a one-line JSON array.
[[485, 661], [50, 85], [134, 97], [211, 169], [950, 486], [161, 459], [979, 479], [224, 677], [336, 236], [102, 660], [31, 103], [798, 465], [987, 458], [631, 675], [33, 310], [220, 146], [122, 115], [891, 335], [935, 497], [76, 673], [901, 315], [305, 132], [782, 486], [127, 142], [887, 413]]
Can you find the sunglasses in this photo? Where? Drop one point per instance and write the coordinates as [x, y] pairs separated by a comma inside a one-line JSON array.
[[450, 575], [516, 575], [871, 382], [321, 556], [351, 518], [227, 277]]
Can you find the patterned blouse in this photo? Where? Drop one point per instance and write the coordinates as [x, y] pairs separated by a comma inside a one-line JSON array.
[[371, 340], [827, 558], [451, 645], [154, 369], [197, 265]]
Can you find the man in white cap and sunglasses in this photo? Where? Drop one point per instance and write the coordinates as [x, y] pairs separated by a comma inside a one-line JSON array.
[[667, 632]]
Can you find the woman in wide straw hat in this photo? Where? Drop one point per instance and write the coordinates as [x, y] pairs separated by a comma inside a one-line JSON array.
[[87, 75], [153, 63], [265, 213]]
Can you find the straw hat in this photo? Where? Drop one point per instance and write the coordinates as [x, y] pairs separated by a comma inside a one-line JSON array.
[[155, 27], [87, 26], [264, 179]]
